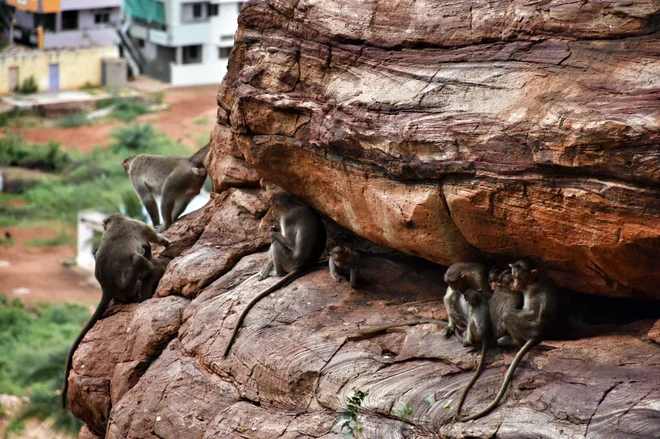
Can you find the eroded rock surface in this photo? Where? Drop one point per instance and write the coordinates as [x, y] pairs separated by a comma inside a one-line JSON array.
[[444, 130], [447, 129]]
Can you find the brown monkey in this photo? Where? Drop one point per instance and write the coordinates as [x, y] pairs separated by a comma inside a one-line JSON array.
[[177, 180], [479, 330], [121, 270], [530, 324], [343, 260], [460, 277], [295, 250], [504, 299]]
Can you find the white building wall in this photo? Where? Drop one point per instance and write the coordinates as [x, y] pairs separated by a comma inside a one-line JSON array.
[[210, 71]]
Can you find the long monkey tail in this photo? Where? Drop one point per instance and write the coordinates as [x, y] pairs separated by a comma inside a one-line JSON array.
[[286, 280], [484, 347], [100, 309], [199, 157], [507, 379]]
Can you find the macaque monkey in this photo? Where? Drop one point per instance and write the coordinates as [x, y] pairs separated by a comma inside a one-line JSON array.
[[460, 277], [529, 325], [295, 250], [479, 330], [504, 299], [124, 273], [344, 261], [177, 180]]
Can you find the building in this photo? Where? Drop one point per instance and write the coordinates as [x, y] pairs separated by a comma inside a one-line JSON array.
[[62, 44], [180, 42], [57, 24]]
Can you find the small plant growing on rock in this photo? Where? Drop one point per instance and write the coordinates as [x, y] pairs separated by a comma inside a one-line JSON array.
[[349, 416], [403, 411]]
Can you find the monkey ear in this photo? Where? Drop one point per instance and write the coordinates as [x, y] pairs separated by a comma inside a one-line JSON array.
[[464, 275], [199, 171], [511, 265], [534, 271]]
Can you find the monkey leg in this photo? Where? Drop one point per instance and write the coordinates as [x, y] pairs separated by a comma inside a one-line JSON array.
[[149, 203], [149, 281], [353, 277], [519, 329], [282, 258], [265, 272], [181, 204]]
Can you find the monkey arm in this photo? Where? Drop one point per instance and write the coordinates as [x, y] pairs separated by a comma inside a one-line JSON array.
[[333, 269], [353, 276], [279, 237]]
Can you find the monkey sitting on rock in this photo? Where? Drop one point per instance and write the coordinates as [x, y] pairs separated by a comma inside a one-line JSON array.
[[294, 250], [177, 180], [529, 325], [124, 273], [460, 277], [344, 261]]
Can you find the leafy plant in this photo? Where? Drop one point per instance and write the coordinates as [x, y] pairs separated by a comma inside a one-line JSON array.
[[28, 86], [49, 157], [349, 416], [136, 138], [73, 120], [132, 205], [403, 411], [126, 109], [202, 121]]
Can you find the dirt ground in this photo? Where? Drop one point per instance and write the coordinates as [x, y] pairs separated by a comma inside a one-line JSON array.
[[187, 105], [36, 274]]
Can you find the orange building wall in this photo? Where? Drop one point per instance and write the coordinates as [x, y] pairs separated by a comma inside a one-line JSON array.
[[48, 6]]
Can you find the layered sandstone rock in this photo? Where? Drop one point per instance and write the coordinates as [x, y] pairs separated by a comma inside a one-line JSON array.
[[435, 130]]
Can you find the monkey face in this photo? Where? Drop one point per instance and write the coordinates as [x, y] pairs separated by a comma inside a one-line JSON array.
[[339, 256], [473, 298]]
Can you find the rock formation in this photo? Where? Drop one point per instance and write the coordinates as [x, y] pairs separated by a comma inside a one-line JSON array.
[[424, 132]]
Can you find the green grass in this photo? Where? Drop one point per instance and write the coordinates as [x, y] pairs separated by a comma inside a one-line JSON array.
[[34, 343], [203, 121], [94, 180], [127, 110], [202, 139], [20, 119], [62, 238], [73, 120]]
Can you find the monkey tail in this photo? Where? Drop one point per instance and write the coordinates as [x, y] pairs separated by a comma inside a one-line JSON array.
[[199, 157], [286, 280], [100, 309], [507, 379], [484, 347]]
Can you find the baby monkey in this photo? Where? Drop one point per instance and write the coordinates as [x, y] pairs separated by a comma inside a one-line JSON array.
[[344, 261], [479, 330], [504, 299]]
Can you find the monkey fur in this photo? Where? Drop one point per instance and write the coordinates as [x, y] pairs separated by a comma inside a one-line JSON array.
[[344, 261], [177, 180], [121, 270], [479, 330], [529, 325], [460, 277], [295, 250], [502, 301]]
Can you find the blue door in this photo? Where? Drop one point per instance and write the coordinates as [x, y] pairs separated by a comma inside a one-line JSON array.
[[54, 77]]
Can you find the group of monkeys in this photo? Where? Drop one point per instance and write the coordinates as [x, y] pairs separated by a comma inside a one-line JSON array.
[[515, 306]]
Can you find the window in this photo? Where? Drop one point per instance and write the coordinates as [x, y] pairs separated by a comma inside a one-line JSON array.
[[47, 21], [197, 10], [140, 43], [192, 54], [102, 17], [214, 10], [223, 52], [69, 20]]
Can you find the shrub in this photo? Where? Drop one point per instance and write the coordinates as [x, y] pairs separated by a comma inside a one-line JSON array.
[[49, 157], [136, 138], [73, 120], [28, 86], [126, 110]]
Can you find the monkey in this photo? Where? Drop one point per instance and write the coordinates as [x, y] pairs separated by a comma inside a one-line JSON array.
[[148, 281], [177, 180], [459, 277], [529, 325], [502, 301], [479, 330], [121, 270], [295, 250], [343, 259]]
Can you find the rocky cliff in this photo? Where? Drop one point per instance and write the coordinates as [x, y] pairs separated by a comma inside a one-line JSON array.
[[425, 132]]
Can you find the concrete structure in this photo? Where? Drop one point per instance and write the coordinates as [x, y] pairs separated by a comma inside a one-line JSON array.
[[65, 23], [182, 42], [64, 69]]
